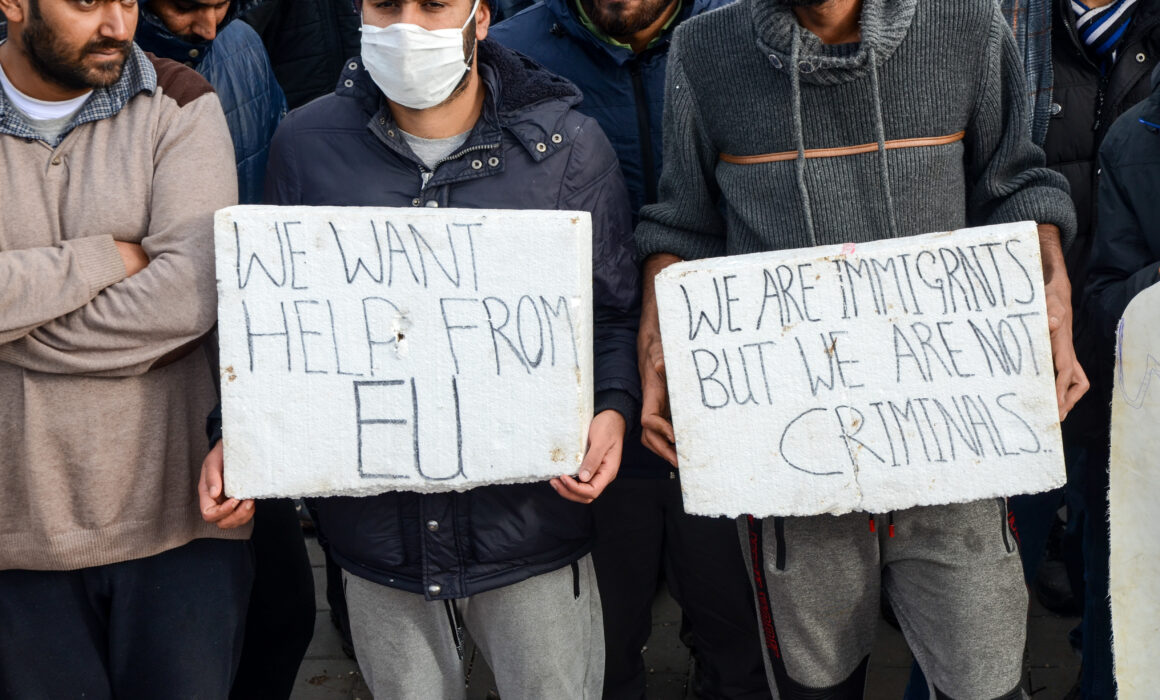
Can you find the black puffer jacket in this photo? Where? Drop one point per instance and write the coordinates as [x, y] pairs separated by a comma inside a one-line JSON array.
[[529, 150], [1084, 106], [308, 42]]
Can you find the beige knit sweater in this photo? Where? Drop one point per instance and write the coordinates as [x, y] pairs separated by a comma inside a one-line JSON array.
[[104, 381]]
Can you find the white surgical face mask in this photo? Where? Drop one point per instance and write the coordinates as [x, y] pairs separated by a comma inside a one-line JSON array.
[[413, 66]]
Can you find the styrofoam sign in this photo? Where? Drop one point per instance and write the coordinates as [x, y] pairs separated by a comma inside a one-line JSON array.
[[372, 349], [903, 372], [1134, 492]]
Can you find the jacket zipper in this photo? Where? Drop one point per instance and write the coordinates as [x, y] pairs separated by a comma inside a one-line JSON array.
[[644, 132], [426, 175]]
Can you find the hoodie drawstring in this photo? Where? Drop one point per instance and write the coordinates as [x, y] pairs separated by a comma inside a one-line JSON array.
[[880, 134], [800, 139]]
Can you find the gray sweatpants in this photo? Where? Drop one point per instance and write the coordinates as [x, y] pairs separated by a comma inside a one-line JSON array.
[[952, 574], [540, 638]]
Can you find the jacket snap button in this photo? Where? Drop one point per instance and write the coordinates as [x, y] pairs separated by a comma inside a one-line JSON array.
[[806, 67], [1056, 108], [390, 132], [541, 147], [348, 83], [775, 61], [477, 164], [556, 138], [1140, 58], [434, 589], [56, 161], [416, 202], [194, 53], [433, 204], [493, 161], [433, 525], [352, 65], [382, 120]]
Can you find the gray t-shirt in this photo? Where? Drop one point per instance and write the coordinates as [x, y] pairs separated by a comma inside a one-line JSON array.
[[431, 151]]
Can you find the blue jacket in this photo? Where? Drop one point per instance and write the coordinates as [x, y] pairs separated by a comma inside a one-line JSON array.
[[529, 150], [623, 91], [1125, 257], [236, 65]]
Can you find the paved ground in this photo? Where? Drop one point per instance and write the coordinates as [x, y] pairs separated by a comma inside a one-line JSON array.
[[327, 674]]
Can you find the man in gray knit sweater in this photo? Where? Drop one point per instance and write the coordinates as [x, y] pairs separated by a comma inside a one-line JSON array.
[[797, 123]]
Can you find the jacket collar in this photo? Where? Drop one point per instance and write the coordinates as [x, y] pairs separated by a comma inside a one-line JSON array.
[[520, 97], [154, 37], [567, 21], [885, 23], [137, 76]]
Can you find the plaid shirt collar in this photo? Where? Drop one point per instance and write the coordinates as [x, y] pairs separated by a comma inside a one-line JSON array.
[[137, 76]]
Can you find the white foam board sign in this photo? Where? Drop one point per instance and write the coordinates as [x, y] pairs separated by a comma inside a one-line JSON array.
[[875, 377], [1134, 493], [366, 350]]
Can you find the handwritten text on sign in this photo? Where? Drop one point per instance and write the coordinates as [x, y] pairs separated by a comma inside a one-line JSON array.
[[902, 372], [366, 350]]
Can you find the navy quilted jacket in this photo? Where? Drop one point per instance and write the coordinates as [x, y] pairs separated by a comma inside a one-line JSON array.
[[529, 150], [236, 65]]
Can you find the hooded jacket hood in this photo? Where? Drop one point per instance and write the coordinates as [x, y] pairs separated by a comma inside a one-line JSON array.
[[884, 24], [154, 37], [521, 95]]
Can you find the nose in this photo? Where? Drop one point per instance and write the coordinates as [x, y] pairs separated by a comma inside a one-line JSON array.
[[119, 22], [205, 24]]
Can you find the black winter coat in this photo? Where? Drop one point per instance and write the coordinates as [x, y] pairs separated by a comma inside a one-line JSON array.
[[529, 150], [1084, 106], [308, 42], [1125, 256]]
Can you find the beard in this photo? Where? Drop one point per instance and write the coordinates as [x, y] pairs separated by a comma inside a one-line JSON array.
[[56, 62], [617, 18], [798, 3]]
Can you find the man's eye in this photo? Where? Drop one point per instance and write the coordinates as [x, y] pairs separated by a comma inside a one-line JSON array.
[[87, 4]]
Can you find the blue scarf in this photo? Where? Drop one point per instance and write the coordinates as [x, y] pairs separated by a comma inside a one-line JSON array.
[[1102, 29]]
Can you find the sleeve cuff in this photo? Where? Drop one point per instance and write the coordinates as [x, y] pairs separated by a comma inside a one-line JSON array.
[[99, 260], [652, 237], [616, 400], [1043, 205]]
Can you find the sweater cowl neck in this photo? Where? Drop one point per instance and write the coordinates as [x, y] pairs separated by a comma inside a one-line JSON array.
[[884, 26]]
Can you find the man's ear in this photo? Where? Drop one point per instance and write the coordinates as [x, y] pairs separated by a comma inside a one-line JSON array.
[[482, 19], [14, 11]]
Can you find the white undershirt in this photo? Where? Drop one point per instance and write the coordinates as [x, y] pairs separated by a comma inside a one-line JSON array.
[[40, 110]]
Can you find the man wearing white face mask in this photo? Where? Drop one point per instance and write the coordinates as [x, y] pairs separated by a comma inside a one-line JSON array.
[[433, 115]]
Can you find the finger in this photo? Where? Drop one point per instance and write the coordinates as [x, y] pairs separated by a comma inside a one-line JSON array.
[[600, 480], [241, 515], [657, 424], [211, 470], [573, 490], [659, 445], [591, 461], [218, 511]]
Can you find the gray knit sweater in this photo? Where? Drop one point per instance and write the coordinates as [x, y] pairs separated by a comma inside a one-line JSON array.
[[933, 92]]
